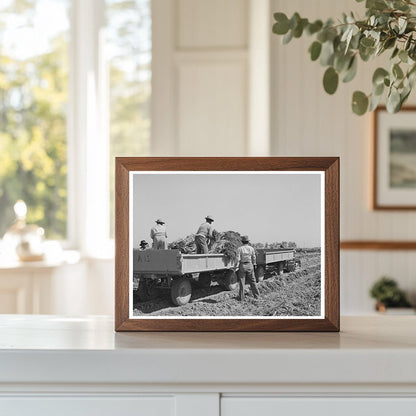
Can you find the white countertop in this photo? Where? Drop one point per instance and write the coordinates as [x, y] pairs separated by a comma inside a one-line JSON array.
[[52, 349]]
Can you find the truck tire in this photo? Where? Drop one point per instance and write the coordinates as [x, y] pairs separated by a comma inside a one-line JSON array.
[[260, 273], [280, 267], [147, 290], [204, 280], [230, 281], [181, 291]]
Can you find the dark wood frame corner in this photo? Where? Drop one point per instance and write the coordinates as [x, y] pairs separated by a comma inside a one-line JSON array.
[[330, 165], [375, 205]]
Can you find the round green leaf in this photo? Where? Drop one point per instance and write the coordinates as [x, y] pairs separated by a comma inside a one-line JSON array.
[[403, 55], [351, 71], [365, 53], [397, 71], [389, 43], [288, 37], [378, 90], [327, 54], [281, 27], [367, 42], [359, 103], [314, 27], [393, 101], [330, 80], [379, 75], [374, 102], [315, 50], [342, 61], [395, 52]]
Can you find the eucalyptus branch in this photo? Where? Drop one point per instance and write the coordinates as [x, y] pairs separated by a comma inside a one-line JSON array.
[[389, 25]]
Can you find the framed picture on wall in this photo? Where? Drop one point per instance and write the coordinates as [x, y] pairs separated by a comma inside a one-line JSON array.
[[227, 244], [394, 186]]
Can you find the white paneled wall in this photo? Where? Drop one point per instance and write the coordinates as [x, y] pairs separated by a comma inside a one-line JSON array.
[[212, 103], [308, 122], [201, 110]]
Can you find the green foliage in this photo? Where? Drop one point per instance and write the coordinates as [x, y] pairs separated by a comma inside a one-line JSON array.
[[388, 27], [330, 80], [33, 100], [386, 291]]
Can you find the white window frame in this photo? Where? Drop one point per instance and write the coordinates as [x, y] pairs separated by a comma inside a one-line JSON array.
[[88, 137]]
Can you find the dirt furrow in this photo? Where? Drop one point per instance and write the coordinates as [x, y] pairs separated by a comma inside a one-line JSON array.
[[292, 294]]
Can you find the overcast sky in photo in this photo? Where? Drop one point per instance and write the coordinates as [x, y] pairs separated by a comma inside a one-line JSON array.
[[267, 207]]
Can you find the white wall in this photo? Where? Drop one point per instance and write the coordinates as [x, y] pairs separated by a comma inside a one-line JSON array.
[[202, 83], [308, 122]]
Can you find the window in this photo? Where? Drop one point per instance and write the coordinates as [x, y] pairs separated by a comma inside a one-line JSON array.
[[75, 87], [33, 101]]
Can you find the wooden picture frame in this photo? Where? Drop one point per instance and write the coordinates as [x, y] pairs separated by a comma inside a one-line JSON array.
[[394, 184], [132, 171]]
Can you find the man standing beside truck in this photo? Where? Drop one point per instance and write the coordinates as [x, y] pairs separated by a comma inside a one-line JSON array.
[[204, 234], [246, 261], [159, 236]]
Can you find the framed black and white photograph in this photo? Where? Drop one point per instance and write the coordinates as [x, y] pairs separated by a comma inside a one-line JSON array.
[[233, 244], [394, 159]]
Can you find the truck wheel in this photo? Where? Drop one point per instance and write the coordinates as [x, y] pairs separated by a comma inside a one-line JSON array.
[[147, 289], [230, 280], [280, 268], [181, 291], [260, 273], [204, 280]]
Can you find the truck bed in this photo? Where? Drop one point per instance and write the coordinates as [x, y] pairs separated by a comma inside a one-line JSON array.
[[173, 262], [267, 256]]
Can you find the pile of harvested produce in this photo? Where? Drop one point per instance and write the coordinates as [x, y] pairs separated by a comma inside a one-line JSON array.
[[225, 243], [185, 245]]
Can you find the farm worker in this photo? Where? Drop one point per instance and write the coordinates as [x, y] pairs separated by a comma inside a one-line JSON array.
[[158, 235], [144, 245], [246, 261], [204, 234]]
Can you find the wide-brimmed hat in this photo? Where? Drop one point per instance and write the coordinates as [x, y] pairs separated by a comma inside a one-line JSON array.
[[209, 218], [245, 239], [144, 243], [160, 221]]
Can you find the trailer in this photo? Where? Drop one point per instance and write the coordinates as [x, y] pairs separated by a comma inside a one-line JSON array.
[[282, 258], [158, 270], [155, 270]]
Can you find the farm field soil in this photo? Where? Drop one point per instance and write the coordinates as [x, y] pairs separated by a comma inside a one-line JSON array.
[[291, 294]]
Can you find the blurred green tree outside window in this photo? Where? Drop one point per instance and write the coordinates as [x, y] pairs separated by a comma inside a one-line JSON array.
[[33, 100], [34, 86]]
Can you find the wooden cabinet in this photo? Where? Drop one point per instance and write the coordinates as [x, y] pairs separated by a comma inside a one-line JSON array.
[[79, 366]]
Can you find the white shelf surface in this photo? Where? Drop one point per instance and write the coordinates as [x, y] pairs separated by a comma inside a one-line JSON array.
[[53, 349]]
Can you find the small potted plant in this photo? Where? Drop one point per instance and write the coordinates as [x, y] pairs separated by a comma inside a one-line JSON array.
[[387, 294]]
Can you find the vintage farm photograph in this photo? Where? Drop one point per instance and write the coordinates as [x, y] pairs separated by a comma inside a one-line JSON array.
[[227, 244]]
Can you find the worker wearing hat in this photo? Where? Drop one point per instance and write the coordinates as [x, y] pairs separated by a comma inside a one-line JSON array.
[[203, 235], [246, 261], [158, 235], [144, 245]]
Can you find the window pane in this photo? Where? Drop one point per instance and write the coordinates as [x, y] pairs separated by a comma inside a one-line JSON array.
[[129, 45], [33, 100]]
